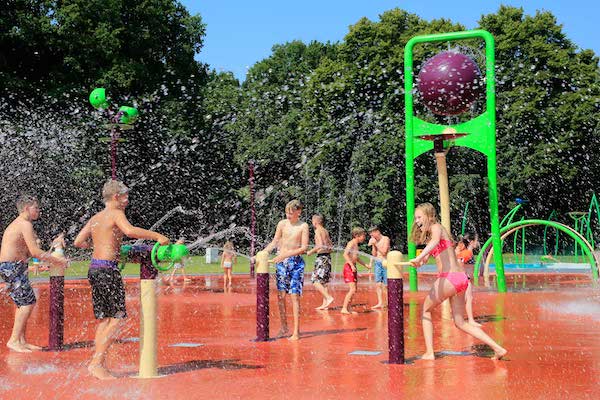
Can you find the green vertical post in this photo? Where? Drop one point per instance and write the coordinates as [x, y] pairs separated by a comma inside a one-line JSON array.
[[481, 136]]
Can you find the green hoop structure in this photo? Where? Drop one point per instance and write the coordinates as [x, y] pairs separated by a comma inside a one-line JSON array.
[[480, 135], [510, 228]]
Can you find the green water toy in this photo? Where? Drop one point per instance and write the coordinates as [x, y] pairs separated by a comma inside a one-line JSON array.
[[170, 254], [129, 115], [98, 98], [125, 249]]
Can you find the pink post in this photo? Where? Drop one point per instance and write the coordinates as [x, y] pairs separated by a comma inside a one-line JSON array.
[[252, 217], [57, 314]]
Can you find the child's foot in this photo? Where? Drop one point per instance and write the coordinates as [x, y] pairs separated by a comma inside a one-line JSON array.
[[187, 280], [100, 372], [376, 306], [328, 303], [18, 347], [294, 337], [428, 356], [32, 346], [283, 332], [348, 312], [475, 323], [499, 354]]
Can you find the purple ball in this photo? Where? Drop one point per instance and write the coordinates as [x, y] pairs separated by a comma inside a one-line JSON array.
[[449, 83]]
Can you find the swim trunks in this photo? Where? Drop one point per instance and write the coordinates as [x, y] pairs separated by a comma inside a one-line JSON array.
[[322, 271], [290, 275], [15, 274], [108, 291], [380, 273], [349, 275]]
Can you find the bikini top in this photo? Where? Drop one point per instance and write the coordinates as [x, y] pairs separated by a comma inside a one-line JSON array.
[[441, 246]]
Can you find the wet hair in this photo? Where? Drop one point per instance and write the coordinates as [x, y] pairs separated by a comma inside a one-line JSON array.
[[319, 217], [293, 205], [374, 228], [26, 200], [417, 235], [467, 238], [113, 187], [357, 231], [228, 245]]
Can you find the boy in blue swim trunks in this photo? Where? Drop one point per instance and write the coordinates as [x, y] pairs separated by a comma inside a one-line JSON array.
[[18, 245], [291, 239], [106, 230], [381, 246]]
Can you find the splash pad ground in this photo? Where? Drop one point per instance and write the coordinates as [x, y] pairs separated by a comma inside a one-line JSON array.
[[549, 323]]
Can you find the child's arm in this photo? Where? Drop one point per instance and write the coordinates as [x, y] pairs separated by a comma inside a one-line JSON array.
[[222, 259], [276, 238], [138, 233], [436, 235], [83, 237], [30, 241], [347, 255]]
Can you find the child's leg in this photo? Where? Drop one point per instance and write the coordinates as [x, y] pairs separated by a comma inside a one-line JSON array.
[[348, 298], [458, 305], [379, 291], [284, 331], [469, 305], [105, 334], [18, 332], [326, 296], [229, 276], [440, 291], [296, 315]]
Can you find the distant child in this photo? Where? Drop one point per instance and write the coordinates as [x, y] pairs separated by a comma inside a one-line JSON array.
[[106, 230], [464, 255], [291, 240], [322, 271], [350, 274], [227, 260], [381, 246], [58, 246], [179, 266], [451, 282], [18, 245]]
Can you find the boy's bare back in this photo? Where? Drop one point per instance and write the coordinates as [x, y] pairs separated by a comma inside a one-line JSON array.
[[15, 241], [352, 251]]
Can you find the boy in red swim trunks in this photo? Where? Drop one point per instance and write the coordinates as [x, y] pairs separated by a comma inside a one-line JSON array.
[[350, 274]]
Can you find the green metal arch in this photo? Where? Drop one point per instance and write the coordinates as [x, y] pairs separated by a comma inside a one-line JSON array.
[[533, 222]]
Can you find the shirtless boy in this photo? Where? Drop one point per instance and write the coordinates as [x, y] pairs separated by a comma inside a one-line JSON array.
[[291, 239], [106, 230], [350, 273], [322, 271], [19, 243], [381, 246]]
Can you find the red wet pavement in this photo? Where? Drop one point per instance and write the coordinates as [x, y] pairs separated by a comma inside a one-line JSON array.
[[549, 323]]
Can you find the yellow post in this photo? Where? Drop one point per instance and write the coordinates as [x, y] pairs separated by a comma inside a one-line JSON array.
[[393, 263], [262, 262], [148, 338]]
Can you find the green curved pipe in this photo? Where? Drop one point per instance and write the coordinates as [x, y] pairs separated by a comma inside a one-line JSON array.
[[464, 219], [509, 217], [593, 206], [533, 222]]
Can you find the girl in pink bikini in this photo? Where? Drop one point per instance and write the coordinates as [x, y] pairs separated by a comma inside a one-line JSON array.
[[452, 280]]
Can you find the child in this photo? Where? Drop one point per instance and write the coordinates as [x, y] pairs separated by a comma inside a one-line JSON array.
[[350, 273], [452, 280], [322, 271], [227, 260], [464, 255], [106, 230], [291, 238], [18, 245], [381, 246], [179, 265]]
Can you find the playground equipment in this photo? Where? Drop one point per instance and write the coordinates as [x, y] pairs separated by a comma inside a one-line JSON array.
[[478, 133], [171, 253], [57, 307], [449, 83], [394, 265], [121, 120], [262, 296]]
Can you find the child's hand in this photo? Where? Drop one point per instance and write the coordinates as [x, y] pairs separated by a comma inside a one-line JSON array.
[[162, 239], [279, 258], [417, 262]]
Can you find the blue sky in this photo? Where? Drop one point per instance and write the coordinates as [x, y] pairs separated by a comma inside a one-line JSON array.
[[240, 33]]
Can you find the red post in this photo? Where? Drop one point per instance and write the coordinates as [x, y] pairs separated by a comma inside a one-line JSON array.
[[396, 321], [262, 307], [57, 313], [252, 217]]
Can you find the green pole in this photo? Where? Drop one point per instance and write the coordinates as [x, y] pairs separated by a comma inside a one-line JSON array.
[[410, 157], [464, 219]]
